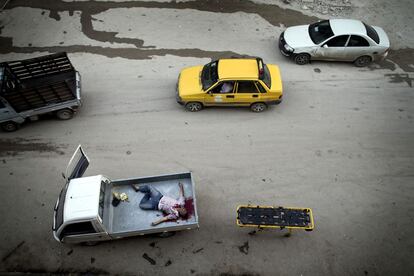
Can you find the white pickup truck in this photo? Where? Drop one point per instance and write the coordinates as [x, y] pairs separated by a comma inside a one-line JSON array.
[[84, 212]]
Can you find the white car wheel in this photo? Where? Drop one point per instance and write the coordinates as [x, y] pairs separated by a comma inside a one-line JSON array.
[[302, 59], [362, 61]]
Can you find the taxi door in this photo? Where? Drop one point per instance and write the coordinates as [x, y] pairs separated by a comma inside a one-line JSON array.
[[221, 94], [246, 93]]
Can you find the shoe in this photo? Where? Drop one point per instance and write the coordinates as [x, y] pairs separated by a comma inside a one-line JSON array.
[[135, 187]]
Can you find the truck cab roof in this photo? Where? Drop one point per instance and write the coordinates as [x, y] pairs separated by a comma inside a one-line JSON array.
[[82, 198]]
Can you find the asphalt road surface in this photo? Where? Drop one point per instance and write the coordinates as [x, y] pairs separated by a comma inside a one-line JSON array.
[[341, 142]]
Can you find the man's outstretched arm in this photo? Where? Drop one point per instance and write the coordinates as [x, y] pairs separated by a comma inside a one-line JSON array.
[[164, 219], [181, 189]]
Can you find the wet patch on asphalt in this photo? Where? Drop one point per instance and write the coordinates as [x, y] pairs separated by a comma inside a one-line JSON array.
[[404, 58], [244, 248], [398, 78], [13, 147], [273, 14], [128, 53]]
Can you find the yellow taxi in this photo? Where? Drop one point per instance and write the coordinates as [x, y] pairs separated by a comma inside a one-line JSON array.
[[230, 82]]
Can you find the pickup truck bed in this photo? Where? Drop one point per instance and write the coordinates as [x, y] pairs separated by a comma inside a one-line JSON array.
[[127, 219]]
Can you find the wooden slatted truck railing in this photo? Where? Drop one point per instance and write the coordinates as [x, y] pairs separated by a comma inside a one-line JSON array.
[[36, 86]]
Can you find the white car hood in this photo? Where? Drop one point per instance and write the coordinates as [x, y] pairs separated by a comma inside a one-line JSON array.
[[298, 36]]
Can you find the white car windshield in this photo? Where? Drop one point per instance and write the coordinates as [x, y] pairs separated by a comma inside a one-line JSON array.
[[320, 31]]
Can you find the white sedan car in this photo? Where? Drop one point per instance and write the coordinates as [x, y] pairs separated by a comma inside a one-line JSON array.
[[335, 39]]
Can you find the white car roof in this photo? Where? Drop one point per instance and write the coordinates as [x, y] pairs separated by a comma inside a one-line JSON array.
[[82, 198], [347, 26]]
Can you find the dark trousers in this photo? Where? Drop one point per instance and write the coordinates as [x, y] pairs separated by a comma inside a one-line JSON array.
[[151, 198]]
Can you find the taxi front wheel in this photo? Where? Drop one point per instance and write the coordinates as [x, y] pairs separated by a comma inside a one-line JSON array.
[[194, 106], [258, 107]]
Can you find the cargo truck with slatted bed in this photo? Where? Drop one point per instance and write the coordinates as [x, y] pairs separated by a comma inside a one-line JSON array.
[[36, 86]]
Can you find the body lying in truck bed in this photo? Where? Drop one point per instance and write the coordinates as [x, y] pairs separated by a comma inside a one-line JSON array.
[[128, 219]]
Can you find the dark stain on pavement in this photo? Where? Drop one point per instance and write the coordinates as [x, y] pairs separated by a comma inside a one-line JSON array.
[[404, 58], [398, 78], [128, 53], [13, 147], [273, 14], [244, 248]]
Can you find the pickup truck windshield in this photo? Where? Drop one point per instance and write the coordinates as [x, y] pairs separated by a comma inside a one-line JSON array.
[[209, 75], [59, 208], [320, 31]]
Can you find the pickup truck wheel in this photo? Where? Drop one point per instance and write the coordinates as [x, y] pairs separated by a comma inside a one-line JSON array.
[[258, 107], [64, 114], [166, 234], [194, 106], [302, 59], [9, 126], [362, 61]]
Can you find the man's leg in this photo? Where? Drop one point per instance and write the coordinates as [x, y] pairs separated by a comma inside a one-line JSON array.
[[144, 189], [151, 198], [155, 194], [146, 202]]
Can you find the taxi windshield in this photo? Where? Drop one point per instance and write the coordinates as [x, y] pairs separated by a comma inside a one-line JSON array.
[[209, 74]]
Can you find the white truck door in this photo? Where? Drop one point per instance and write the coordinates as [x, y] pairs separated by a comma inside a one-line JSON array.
[[77, 164]]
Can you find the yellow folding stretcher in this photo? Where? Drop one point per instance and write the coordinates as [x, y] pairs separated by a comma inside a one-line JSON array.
[[275, 217]]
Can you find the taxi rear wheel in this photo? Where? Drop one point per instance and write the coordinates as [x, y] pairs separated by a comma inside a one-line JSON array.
[[194, 106], [258, 107]]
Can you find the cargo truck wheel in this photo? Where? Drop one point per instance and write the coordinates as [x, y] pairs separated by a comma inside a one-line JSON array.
[[9, 126], [258, 107], [64, 114], [194, 106]]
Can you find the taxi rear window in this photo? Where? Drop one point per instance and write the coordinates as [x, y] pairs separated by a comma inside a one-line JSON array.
[[266, 77]]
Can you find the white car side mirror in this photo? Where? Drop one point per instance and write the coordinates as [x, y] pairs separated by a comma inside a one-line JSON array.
[[325, 46]]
